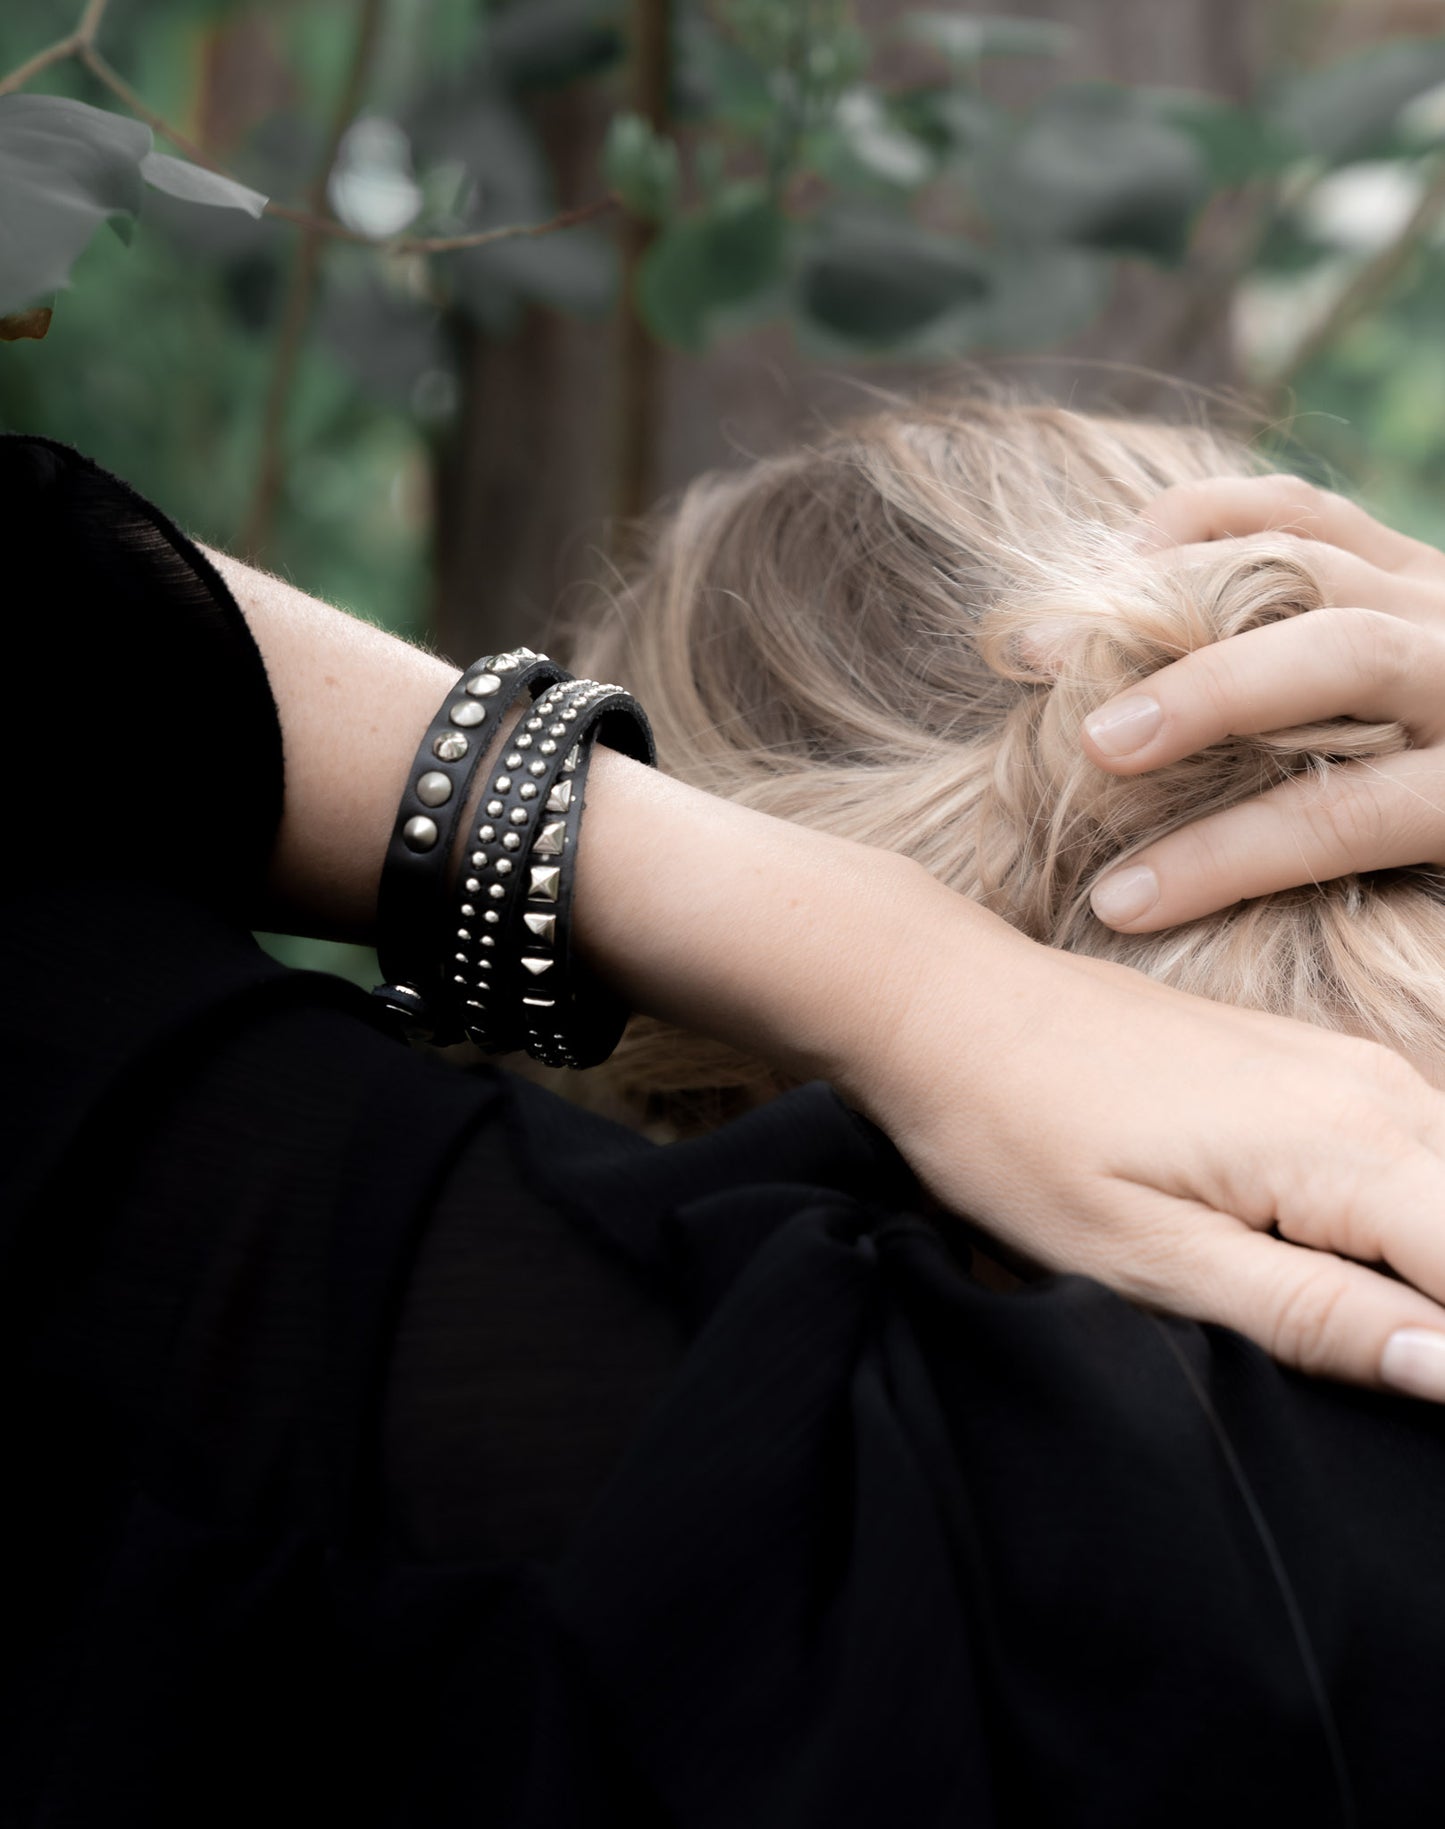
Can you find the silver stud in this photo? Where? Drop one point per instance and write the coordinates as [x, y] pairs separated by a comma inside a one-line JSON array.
[[484, 685], [478, 859], [467, 910], [512, 840], [487, 939], [519, 816], [536, 768], [524, 741], [459, 978], [502, 783], [544, 926], [504, 663], [494, 809], [434, 789], [472, 886], [541, 1003], [572, 755], [534, 723], [547, 747], [504, 866], [466, 713], [497, 891], [536, 966], [556, 730], [569, 715], [550, 839], [484, 964], [486, 834], [491, 917], [451, 746], [419, 834], [464, 933], [528, 790], [545, 878], [461, 958], [560, 798], [514, 760]]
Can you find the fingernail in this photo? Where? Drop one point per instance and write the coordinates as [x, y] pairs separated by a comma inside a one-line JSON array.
[[1128, 724], [1125, 895], [1414, 1362]]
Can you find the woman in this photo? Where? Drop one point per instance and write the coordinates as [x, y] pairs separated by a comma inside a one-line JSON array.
[[390, 1443]]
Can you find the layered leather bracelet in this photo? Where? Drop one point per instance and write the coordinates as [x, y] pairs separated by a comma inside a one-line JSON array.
[[411, 899], [489, 955]]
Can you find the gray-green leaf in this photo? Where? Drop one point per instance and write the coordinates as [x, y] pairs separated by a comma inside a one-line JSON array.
[[64, 168], [194, 184]]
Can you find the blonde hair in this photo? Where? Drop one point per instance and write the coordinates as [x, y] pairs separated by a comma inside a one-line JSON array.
[[831, 636]]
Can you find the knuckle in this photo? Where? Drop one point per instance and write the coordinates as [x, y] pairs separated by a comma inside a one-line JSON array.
[[1377, 648], [1307, 1319], [1346, 819]]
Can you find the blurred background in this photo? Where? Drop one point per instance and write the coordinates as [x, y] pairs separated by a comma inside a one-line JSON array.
[[752, 214]]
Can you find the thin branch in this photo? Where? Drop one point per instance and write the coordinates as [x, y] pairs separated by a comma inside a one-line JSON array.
[[301, 290], [73, 44], [1368, 288], [121, 89]]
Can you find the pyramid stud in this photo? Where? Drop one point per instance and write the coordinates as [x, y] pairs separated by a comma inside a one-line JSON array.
[[483, 685], [572, 755], [536, 966], [545, 878], [550, 839], [544, 926], [467, 714], [540, 1003], [560, 798]]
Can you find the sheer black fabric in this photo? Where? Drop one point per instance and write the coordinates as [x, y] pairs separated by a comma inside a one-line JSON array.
[[393, 1444]]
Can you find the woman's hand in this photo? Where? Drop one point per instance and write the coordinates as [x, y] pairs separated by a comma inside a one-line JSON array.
[[1105, 1124], [1377, 652]]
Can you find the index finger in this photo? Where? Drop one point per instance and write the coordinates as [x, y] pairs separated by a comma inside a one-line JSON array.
[[1227, 507]]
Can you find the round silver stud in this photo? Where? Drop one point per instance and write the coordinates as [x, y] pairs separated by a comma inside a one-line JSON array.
[[494, 809], [491, 917], [547, 747], [519, 814], [460, 958], [497, 891], [556, 730], [537, 768], [511, 840], [478, 858], [419, 834], [568, 716], [504, 866], [464, 933], [483, 685], [524, 741], [467, 910], [434, 789], [528, 791], [514, 760], [486, 834], [487, 939], [466, 713], [451, 746], [472, 885], [534, 723], [502, 783], [459, 978]]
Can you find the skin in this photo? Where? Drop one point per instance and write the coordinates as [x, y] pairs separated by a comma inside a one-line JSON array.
[[1092, 1120]]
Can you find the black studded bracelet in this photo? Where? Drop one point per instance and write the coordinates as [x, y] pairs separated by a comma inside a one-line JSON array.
[[512, 968], [413, 898]]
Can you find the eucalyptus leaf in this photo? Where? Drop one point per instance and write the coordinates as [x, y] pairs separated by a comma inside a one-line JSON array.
[[1098, 167], [1349, 109], [194, 184], [65, 168], [705, 264], [876, 282], [641, 165]]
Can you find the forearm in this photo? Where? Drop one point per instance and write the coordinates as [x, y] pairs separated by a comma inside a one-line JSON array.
[[791, 943]]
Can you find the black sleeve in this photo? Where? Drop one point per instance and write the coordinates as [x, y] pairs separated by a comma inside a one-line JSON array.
[[386, 1443]]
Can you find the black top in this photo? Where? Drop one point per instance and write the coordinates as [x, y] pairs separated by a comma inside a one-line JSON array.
[[388, 1443]]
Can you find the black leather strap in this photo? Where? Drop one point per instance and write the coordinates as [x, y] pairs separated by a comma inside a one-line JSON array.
[[515, 901], [413, 896]]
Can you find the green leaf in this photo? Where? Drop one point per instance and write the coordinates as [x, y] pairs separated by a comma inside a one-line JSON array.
[[641, 165], [1096, 166], [541, 44], [64, 168], [194, 184], [965, 38], [709, 263], [1236, 144], [877, 282], [1349, 110]]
